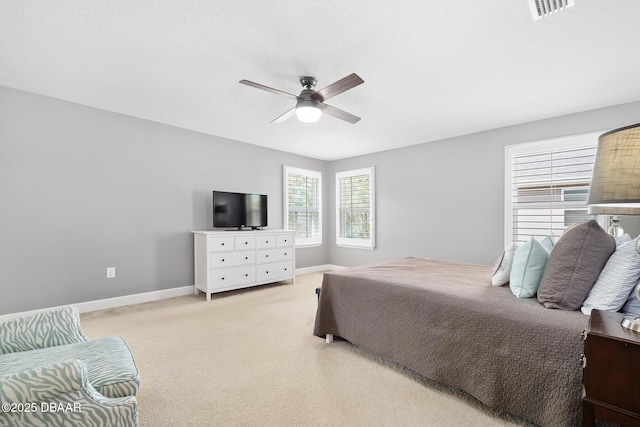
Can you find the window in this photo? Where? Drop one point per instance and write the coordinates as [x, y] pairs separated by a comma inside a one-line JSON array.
[[546, 186], [355, 207], [303, 205]]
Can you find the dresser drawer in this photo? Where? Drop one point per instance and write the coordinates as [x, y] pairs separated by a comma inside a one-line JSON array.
[[275, 255], [265, 241], [218, 244], [228, 277], [275, 271], [243, 243], [610, 375], [232, 259], [284, 240]]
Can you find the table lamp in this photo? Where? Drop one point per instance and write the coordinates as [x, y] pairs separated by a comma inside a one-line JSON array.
[[615, 185]]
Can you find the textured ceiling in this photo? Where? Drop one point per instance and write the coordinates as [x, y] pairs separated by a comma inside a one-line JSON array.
[[432, 70]]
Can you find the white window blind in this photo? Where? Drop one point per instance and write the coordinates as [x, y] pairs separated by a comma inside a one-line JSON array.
[[303, 205], [355, 208], [547, 185]]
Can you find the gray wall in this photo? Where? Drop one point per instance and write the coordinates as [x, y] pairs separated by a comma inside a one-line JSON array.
[[444, 200], [83, 189]]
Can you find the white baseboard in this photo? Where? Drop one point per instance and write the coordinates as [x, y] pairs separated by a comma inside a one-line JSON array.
[[103, 304], [319, 268]]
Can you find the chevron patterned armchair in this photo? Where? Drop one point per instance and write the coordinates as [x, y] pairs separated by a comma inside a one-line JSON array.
[[52, 374]]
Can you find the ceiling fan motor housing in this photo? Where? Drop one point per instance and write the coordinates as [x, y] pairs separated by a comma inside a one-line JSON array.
[[308, 82], [306, 95]]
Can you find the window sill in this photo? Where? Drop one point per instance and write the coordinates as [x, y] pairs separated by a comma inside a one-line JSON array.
[[368, 248], [308, 245]]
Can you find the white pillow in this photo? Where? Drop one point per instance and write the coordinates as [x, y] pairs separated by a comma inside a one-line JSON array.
[[502, 267], [617, 278]]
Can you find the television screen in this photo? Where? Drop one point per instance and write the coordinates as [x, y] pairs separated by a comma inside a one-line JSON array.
[[239, 210]]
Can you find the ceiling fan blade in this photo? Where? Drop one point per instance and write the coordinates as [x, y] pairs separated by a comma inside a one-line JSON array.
[[268, 89], [285, 116], [336, 88], [339, 114]]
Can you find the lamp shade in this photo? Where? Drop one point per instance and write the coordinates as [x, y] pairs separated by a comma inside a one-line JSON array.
[[615, 184], [308, 110]]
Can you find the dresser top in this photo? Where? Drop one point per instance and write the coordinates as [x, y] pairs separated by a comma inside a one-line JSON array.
[[607, 323], [227, 232]]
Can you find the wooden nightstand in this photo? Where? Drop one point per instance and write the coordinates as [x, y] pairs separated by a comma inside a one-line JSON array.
[[611, 376]]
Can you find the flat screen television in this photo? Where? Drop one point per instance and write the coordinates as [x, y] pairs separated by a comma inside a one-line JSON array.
[[239, 210]]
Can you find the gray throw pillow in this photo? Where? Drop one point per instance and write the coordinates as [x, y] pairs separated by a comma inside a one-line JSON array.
[[574, 265]]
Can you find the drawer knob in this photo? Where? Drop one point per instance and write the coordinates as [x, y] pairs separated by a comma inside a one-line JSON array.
[[285, 254], [246, 243], [246, 257], [267, 256], [267, 272], [223, 278], [222, 259], [285, 269], [222, 244], [267, 241], [246, 275]]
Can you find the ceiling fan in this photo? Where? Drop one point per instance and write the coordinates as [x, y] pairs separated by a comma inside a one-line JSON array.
[[310, 103]]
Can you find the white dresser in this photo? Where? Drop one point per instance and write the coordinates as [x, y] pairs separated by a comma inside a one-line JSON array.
[[226, 260]]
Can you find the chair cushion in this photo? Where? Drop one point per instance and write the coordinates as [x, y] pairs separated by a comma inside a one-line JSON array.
[[110, 365], [61, 395]]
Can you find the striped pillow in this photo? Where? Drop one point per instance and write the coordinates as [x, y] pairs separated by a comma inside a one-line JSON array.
[[632, 306], [621, 240], [618, 277]]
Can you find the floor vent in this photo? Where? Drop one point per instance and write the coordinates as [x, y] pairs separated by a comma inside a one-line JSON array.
[[542, 8]]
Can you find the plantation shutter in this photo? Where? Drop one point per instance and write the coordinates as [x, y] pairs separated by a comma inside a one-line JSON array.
[[303, 205], [355, 208], [549, 190]]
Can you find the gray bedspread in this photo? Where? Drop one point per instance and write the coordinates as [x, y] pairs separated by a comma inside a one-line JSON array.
[[445, 321]]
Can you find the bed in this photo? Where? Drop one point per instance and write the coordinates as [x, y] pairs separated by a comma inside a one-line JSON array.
[[446, 322]]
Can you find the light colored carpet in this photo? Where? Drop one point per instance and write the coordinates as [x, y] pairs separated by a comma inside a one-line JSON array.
[[249, 358]]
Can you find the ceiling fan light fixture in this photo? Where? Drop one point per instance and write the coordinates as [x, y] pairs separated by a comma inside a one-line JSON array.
[[310, 103], [308, 110]]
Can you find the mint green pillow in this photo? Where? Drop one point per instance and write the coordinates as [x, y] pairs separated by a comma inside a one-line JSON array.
[[548, 242], [529, 262]]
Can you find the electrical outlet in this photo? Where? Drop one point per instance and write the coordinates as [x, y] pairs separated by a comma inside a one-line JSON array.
[[111, 272]]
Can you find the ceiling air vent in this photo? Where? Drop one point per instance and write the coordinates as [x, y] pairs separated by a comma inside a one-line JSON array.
[[542, 8]]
